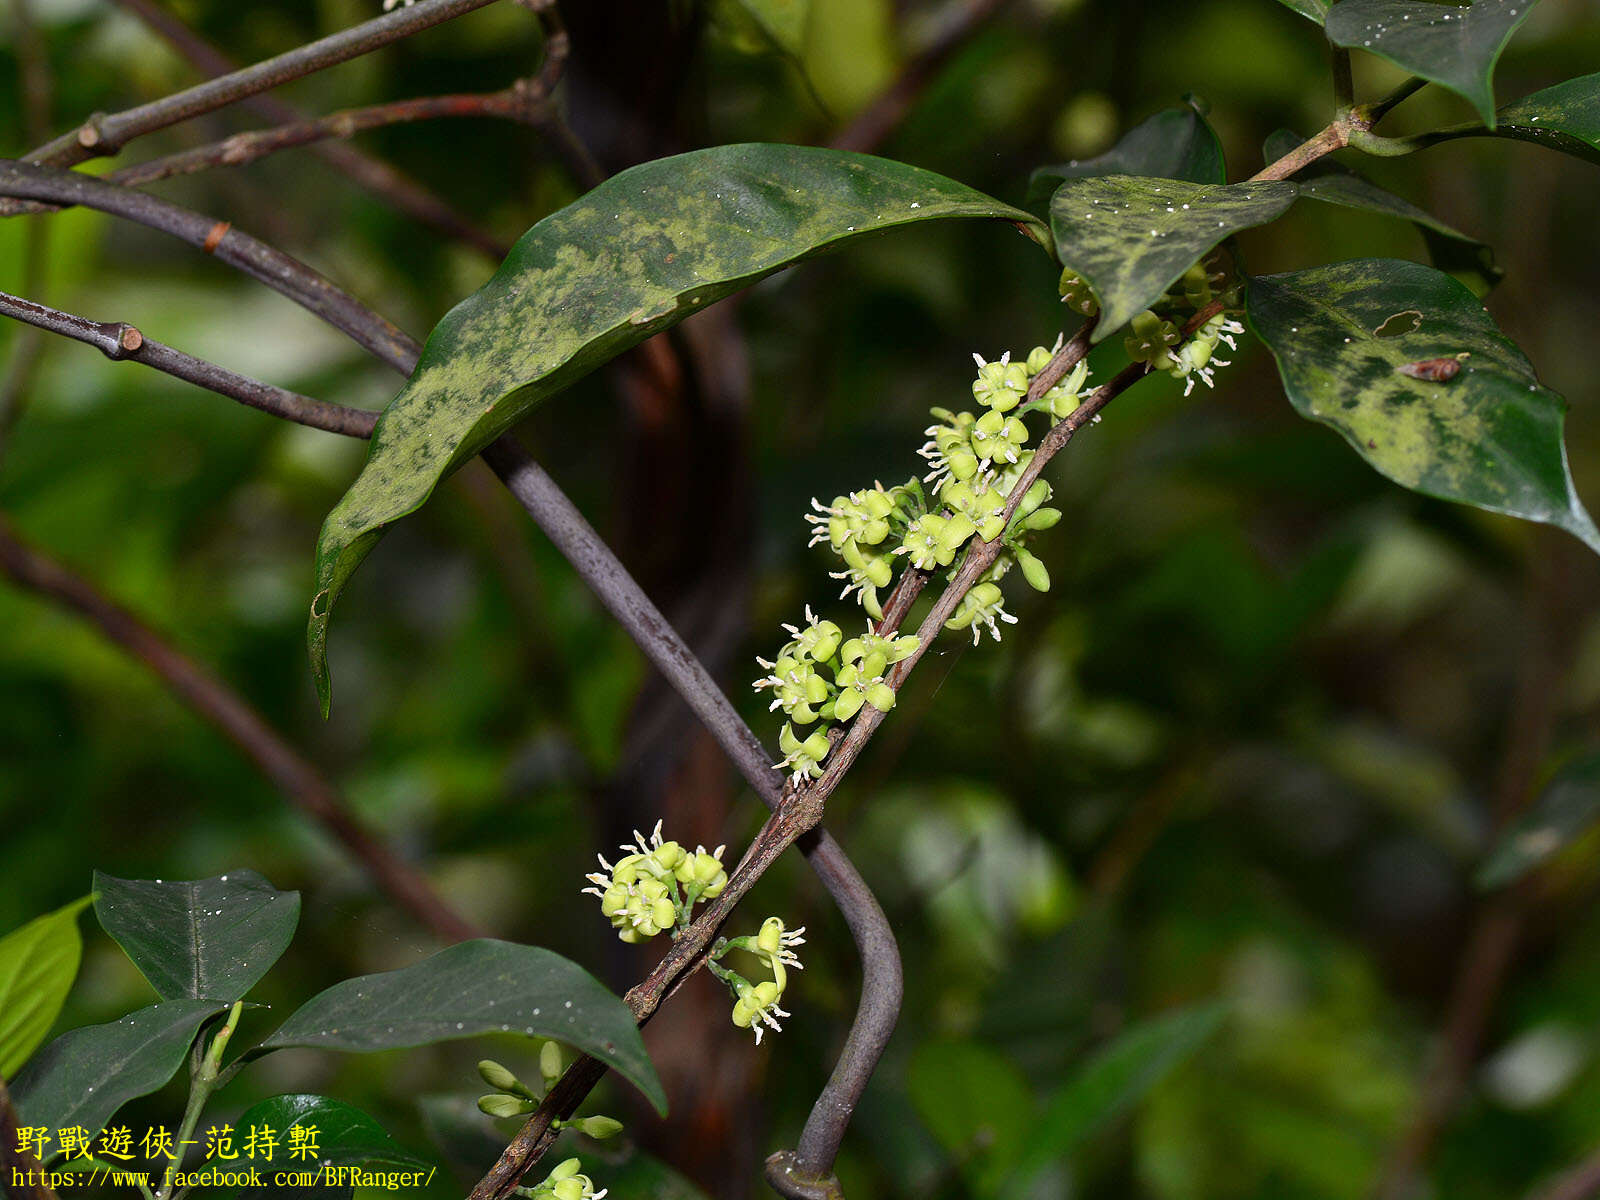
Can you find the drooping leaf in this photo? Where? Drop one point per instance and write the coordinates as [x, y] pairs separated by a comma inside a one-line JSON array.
[[1356, 344], [204, 938], [976, 1103], [38, 963], [1175, 143], [1312, 10], [639, 253], [1567, 808], [1452, 251], [1454, 45], [343, 1135], [1131, 237], [482, 986], [1112, 1082], [1565, 117], [86, 1075]]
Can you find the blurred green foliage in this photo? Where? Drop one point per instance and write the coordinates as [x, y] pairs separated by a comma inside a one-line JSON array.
[[1248, 749]]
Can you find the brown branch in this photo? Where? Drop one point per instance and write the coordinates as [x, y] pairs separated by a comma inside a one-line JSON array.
[[108, 133], [517, 103], [122, 342], [883, 115], [301, 783]]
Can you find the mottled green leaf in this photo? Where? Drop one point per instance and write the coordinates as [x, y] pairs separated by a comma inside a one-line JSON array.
[[1565, 117], [210, 938], [86, 1075], [1567, 808], [1490, 436], [1312, 10], [344, 1135], [1114, 1080], [976, 1103], [1452, 251], [476, 987], [38, 963], [636, 255], [1175, 143], [1132, 237], [1455, 45]]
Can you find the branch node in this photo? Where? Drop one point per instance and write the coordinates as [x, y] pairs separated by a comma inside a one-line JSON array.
[[787, 1181], [214, 238]]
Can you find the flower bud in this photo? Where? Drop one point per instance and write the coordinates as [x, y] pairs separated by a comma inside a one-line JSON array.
[[565, 1169], [1033, 571], [497, 1076], [498, 1104], [599, 1128], [550, 1061]]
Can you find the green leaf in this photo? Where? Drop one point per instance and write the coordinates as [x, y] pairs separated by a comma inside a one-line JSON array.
[[781, 22], [1315, 11], [1112, 1082], [1455, 45], [38, 963], [1490, 436], [86, 1075], [1567, 808], [638, 254], [208, 938], [1132, 237], [344, 1136], [1565, 117], [476, 987], [976, 1103], [1175, 143], [1452, 251]]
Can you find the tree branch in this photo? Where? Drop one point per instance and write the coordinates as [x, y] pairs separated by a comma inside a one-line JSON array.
[[304, 786], [108, 133], [394, 188]]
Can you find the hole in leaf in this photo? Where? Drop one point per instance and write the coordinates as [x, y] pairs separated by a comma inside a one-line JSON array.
[[319, 605], [1400, 324]]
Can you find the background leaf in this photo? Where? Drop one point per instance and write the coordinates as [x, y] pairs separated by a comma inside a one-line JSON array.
[[1454, 45], [634, 256], [1565, 117], [1114, 1080], [1568, 807], [345, 1136], [37, 966], [976, 1102], [1452, 251], [211, 938], [86, 1075], [1132, 237], [1311, 10], [1175, 143], [482, 986], [1490, 436]]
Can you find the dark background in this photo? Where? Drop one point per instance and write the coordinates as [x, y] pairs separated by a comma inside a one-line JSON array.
[[1250, 747]]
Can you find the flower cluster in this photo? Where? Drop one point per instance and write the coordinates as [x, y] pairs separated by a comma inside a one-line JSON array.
[[566, 1182], [976, 460], [655, 885], [755, 1005]]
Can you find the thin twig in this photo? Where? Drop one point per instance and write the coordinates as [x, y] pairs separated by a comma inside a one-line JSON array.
[[252, 256], [108, 133], [394, 188], [122, 342], [301, 783], [883, 115]]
